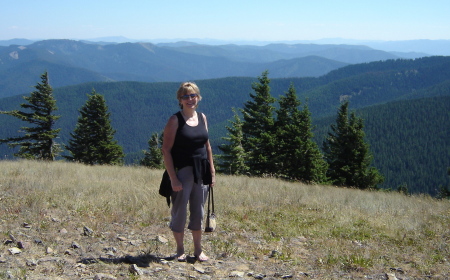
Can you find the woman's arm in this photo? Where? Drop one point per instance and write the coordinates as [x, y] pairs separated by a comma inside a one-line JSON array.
[[170, 132], [210, 155]]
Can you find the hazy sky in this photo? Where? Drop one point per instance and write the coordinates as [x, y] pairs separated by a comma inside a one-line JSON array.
[[226, 20]]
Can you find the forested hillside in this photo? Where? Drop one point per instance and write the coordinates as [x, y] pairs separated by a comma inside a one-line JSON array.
[[139, 109], [409, 140]]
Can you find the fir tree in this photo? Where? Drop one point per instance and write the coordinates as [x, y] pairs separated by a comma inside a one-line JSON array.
[[298, 157], [92, 140], [38, 141], [258, 128], [153, 158], [232, 161], [348, 154]]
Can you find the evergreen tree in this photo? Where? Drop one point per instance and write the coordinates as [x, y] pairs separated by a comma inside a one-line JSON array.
[[38, 141], [92, 140], [347, 153], [298, 157], [232, 161], [153, 158], [258, 128]]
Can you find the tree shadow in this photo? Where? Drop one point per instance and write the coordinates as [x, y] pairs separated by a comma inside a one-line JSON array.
[[143, 260]]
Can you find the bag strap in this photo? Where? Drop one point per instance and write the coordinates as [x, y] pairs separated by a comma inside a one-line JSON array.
[[210, 198]]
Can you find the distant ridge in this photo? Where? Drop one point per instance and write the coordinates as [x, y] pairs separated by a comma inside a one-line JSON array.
[[80, 62]]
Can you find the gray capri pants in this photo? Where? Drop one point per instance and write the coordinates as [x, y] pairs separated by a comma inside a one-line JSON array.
[[195, 194]]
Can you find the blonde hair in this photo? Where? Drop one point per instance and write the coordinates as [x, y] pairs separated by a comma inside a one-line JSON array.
[[188, 88]]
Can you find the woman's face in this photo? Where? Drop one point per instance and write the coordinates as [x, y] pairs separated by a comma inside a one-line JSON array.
[[189, 100]]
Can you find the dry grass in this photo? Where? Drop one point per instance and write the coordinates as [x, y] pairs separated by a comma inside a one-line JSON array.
[[321, 230]]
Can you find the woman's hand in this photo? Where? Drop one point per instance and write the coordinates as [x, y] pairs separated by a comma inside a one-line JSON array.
[[177, 186], [213, 177]]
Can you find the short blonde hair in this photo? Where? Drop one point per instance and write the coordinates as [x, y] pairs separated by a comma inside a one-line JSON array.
[[188, 88]]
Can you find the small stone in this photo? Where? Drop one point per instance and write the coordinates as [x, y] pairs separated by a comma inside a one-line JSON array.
[[87, 231], [23, 245], [121, 238], [161, 239], [49, 250], [13, 239], [15, 251], [274, 254], [237, 274], [26, 225], [103, 276], [136, 270], [259, 276], [75, 245], [63, 231], [199, 269], [110, 249], [38, 241], [391, 276], [32, 262]]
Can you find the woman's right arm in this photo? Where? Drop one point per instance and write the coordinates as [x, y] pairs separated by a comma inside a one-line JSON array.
[[170, 132]]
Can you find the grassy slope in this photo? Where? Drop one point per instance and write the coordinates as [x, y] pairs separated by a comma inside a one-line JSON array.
[[324, 231]]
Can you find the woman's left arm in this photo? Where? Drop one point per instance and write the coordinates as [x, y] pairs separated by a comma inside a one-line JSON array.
[[210, 155]]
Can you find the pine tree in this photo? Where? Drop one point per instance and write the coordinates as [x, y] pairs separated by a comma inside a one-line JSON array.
[[232, 161], [298, 157], [92, 140], [348, 154], [38, 141], [258, 128], [153, 158]]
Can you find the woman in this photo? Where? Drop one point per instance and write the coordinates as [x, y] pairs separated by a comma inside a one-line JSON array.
[[185, 149]]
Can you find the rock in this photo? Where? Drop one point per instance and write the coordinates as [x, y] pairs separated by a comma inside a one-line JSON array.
[[103, 276], [26, 225], [274, 254], [23, 245], [134, 269], [87, 231], [63, 231], [13, 239], [32, 262], [199, 269], [391, 276], [161, 239], [38, 241], [237, 274], [259, 276], [15, 251], [49, 250], [75, 245], [121, 238]]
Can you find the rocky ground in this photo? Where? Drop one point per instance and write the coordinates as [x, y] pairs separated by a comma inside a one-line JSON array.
[[58, 252]]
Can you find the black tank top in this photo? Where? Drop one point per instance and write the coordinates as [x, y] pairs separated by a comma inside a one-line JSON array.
[[189, 142]]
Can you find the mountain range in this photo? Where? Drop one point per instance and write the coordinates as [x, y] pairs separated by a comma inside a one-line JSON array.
[[74, 62]]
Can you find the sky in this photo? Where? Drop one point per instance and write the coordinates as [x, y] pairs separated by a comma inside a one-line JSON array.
[[247, 20]]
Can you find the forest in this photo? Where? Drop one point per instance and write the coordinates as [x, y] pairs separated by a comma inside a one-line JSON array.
[[405, 106]]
